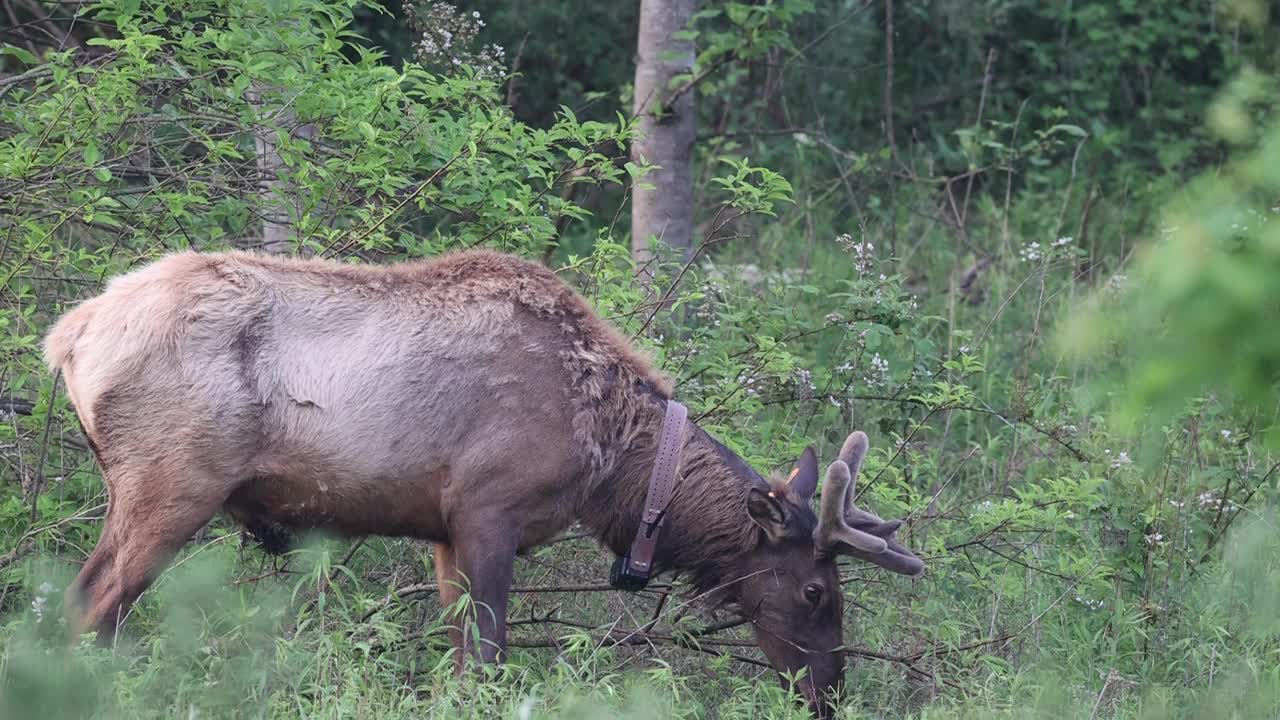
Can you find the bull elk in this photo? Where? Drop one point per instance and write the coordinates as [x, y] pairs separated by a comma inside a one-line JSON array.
[[474, 401]]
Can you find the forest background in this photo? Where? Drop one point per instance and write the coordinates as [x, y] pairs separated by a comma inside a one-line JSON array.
[[1028, 246]]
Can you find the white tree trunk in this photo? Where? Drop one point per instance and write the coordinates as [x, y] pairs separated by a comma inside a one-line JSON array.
[[273, 192], [665, 211]]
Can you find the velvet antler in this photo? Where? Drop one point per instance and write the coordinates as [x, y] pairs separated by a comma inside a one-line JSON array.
[[832, 529], [845, 528]]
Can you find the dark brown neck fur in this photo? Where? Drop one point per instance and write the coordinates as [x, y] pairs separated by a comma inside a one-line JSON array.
[[707, 528]]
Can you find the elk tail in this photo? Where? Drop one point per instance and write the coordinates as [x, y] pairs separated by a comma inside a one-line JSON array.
[[59, 344]]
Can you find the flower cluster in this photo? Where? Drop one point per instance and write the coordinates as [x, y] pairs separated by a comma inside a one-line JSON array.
[[1034, 252], [879, 374], [748, 382], [804, 383], [1121, 460], [1117, 284], [448, 40], [1209, 501], [863, 252], [41, 601], [1090, 603]]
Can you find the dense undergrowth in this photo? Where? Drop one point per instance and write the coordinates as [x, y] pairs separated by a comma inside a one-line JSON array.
[[1076, 431]]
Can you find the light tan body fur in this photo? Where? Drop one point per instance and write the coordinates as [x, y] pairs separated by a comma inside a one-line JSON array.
[[369, 400]]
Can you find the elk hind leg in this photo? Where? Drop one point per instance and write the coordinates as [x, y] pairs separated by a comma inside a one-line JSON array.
[[450, 588], [153, 514]]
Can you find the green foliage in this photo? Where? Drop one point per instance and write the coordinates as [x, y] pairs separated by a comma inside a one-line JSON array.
[[369, 153], [1203, 299]]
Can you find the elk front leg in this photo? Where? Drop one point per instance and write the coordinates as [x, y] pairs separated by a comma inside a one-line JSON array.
[[483, 555]]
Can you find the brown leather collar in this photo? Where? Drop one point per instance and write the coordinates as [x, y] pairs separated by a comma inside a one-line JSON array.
[[661, 485]]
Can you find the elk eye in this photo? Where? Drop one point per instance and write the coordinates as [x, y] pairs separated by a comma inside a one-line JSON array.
[[813, 593]]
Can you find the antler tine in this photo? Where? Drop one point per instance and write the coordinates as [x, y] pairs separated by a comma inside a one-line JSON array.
[[832, 529], [831, 509], [854, 450], [852, 454]]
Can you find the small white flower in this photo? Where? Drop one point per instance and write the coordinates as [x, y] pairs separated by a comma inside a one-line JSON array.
[[1154, 538], [41, 600], [805, 378], [863, 252], [1091, 604], [879, 375], [1226, 434], [1062, 242], [1121, 460], [1208, 500]]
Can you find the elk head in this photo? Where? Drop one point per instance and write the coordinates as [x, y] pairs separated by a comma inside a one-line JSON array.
[[791, 590]]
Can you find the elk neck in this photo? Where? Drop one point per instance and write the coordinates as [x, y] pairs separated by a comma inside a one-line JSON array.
[[706, 527]]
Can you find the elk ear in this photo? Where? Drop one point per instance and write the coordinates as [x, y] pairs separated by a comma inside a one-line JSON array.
[[804, 477], [767, 512]]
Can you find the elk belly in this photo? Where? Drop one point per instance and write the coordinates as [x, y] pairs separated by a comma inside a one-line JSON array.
[[275, 507]]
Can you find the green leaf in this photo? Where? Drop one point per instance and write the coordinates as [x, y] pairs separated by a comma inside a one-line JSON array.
[[1075, 130], [23, 55], [92, 155]]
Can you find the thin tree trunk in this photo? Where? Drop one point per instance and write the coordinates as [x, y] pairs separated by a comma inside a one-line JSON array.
[[888, 128], [665, 210], [273, 192]]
